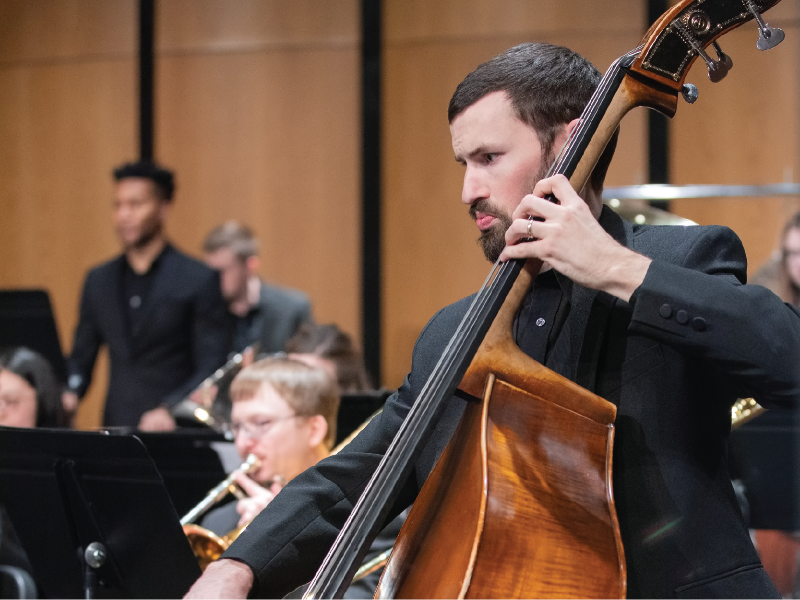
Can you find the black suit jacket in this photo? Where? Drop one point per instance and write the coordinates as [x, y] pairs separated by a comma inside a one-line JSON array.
[[182, 338], [281, 312], [691, 341]]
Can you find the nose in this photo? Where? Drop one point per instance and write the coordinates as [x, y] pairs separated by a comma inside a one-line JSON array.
[[474, 186], [121, 213], [244, 443]]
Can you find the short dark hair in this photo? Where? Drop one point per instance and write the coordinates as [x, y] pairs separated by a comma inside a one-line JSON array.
[[548, 86], [232, 234], [163, 179], [37, 371]]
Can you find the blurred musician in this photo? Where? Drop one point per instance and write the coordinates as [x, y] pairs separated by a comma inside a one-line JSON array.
[[781, 273], [159, 312], [780, 550], [261, 313], [284, 412], [30, 396], [333, 350]]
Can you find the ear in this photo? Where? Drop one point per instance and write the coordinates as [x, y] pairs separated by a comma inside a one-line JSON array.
[[563, 135], [318, 429], [253, 265], [163, 209]]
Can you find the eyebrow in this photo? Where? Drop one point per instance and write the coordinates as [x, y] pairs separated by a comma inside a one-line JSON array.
[[482, 149]]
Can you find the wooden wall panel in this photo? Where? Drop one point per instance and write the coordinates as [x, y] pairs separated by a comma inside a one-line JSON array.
[[430, 253], [66, 30], [67, 116], [258, 111], [744, 130]]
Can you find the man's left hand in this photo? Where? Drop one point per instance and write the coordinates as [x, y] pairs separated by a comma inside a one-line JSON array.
[[257, 500], [157, 419], [572, 241]]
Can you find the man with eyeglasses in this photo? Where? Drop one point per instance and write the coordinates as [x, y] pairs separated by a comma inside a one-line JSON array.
[[284, 412]]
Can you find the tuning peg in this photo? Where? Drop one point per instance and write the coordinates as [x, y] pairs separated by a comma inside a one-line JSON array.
[[768, 37], [717, 69], [690, 93], [722, 57]]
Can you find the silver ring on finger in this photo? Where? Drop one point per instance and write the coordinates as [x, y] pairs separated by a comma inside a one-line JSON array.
[[530, 223]]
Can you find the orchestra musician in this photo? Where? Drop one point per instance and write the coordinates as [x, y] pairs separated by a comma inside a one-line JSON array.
[[657, 320], [781, 274], [260, 312], [333, 350], [159, 311], [30, 396], [283, 412]]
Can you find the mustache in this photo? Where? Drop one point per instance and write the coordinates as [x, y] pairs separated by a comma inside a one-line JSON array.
[[485, 207]]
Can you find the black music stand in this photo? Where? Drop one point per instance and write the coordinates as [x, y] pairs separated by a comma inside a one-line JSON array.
[[93, 515], [187, 462], [354, 409], [764, 454], [26, 319]]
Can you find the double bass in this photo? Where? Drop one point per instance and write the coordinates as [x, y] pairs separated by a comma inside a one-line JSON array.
[[521, 504]]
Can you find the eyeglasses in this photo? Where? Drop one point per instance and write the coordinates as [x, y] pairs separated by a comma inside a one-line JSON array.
[[258, 428]]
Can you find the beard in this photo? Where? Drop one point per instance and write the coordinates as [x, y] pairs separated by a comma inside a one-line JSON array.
[[149, 231], [493, 240]]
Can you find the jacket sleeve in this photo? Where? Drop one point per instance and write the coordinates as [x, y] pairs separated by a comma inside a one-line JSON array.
[[287, 542], [85, 345], [702, 308], [210, 336]]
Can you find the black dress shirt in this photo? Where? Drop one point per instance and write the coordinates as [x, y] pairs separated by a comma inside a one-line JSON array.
[[135, 289], [540, 328]]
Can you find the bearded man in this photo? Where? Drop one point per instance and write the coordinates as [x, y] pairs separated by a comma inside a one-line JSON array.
[[159, 312], [656, 320]]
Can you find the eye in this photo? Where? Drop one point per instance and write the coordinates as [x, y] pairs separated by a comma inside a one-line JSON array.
[[490, 157]]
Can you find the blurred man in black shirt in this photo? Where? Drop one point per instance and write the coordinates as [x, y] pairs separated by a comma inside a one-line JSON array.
[[159, 311]]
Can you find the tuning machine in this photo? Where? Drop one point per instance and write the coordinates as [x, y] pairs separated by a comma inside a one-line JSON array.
[[717, 69], [690, 93], [768, 37]]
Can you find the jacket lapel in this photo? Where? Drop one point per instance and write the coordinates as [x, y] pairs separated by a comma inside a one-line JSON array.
[[590, 312], [116, 322]]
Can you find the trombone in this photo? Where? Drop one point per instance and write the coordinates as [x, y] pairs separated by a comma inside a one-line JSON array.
[[743, 410], [207, 545]]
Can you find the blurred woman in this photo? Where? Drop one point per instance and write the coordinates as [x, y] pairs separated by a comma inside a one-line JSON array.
[[30, 396], [782, 273]]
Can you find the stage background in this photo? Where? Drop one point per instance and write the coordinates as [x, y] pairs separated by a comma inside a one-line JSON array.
[[257, 108]]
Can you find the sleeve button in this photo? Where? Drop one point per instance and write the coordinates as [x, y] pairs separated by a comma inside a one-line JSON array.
[[665, 311], [699, 324], [682, 317]]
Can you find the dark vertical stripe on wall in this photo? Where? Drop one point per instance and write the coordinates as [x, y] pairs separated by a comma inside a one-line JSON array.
[[371, 184], [146, 68], [658, 124]]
